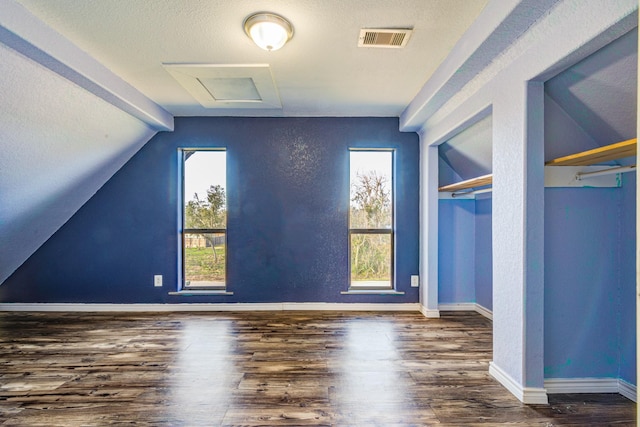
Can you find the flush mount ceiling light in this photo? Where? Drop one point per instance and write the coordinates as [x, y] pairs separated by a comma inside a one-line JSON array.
[[268, 30]]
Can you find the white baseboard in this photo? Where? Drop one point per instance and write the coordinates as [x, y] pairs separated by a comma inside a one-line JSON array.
[[628, 390], [280, 306], [467, 306], [325, 306], [527, 395], [581, 385], [484, 311], [457, 306], [285, 306], [591, 385], [429, 313]]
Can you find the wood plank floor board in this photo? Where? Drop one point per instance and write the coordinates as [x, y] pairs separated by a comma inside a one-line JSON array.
[[267, 368], [303, 397], [286, 366], [262, 382], [270, 416]]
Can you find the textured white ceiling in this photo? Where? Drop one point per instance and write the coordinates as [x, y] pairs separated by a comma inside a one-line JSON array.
[[320, 72]]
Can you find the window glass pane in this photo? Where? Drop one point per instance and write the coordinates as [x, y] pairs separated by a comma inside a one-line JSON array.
[[205, 219], [371, 198], [204, 260], [205, 203], [371, 260]]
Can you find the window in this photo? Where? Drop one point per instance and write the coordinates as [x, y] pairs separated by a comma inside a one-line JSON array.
[[204, 219], [371, 231]]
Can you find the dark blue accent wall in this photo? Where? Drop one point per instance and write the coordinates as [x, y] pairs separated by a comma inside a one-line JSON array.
[[287, 185]]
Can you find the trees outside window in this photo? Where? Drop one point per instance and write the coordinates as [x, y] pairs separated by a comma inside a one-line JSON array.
[[371, 230], [204, 218]]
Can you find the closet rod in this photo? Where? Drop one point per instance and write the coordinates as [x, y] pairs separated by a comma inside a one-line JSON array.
[[621, 169], [469, 193]]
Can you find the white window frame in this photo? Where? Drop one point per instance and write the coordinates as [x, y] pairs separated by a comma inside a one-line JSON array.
[[183, 283], [371, 231]]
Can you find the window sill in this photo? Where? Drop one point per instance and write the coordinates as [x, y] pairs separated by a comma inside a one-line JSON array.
[[372, 292], [188, 292]]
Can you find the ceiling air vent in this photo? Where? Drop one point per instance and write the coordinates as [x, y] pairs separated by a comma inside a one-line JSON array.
[[384, 37]]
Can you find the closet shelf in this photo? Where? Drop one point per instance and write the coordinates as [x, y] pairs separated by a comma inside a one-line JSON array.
[[469, 183], [607, 153]]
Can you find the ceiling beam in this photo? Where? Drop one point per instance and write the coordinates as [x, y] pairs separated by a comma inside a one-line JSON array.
[[23, 32]]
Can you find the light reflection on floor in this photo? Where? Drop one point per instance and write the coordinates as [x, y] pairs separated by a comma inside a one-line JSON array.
[[368, 374], [205, 370]]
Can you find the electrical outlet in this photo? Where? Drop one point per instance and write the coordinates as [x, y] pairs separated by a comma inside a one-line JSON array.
[[415, 281], [157, 280]]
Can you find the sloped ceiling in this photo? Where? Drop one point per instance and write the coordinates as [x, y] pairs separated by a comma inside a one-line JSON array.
[[469, 152], [60, 141], [56, 153], [598, 95], [591, 104]]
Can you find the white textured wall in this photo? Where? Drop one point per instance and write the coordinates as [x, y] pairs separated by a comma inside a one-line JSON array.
[[429, 230], [517, 238], [59, 144]]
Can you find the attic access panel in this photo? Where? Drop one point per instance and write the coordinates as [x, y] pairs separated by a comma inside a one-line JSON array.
[[228, 86]]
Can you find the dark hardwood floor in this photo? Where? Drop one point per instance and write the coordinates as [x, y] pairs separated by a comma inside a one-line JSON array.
[[266, 368]]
